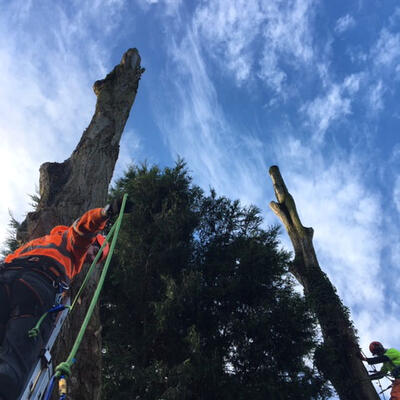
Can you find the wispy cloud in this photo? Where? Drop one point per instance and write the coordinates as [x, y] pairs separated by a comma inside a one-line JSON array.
[[380, 65], [375, 97], [200, 132], [235, 32], [396, 193], [288, 28], [386, 52], [271, 74], [344, 23], [170, 6], [130, 147], [332, 106], [324, 110], [228, 29]]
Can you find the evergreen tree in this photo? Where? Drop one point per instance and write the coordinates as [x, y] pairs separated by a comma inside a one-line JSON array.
[[11, 243], [199, 304]]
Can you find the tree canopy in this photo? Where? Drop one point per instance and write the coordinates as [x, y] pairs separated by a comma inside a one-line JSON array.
[[199, 303]]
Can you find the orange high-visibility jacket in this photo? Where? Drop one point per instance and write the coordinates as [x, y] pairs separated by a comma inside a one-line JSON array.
[[65, 246]]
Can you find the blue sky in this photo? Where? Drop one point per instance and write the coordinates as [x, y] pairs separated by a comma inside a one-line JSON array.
[[232, 86]]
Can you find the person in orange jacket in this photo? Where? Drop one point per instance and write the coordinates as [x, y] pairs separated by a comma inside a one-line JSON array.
[[30, 279]]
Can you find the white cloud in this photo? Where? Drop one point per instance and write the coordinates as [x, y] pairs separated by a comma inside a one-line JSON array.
[[199, 131], [325, 109], [130, 146], [229, 28], [333, 105], [396, 194], [288, 28], [394, 18], [287, 39], [352, 83], [344, 23], [170, 6], [384, 67], [270, 72], [395, 156], [375, 97], [233, 30], [345, 217], [386, 51]]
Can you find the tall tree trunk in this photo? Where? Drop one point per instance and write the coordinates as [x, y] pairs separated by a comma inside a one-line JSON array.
[[337, 356], [69, 189]]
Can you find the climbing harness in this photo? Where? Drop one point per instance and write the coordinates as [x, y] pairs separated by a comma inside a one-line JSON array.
[[42, 380]]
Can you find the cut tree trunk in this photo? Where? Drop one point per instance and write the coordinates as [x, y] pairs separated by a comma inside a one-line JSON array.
[[78, 184], [337, 356]]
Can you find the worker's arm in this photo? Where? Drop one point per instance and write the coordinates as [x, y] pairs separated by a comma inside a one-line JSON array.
[[83, 231], [376, 360], [91, 223]]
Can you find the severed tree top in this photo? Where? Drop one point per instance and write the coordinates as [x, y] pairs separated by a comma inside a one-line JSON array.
[[81, 182]]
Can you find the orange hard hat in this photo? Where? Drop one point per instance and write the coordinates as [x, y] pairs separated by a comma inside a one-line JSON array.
[[100, 239]]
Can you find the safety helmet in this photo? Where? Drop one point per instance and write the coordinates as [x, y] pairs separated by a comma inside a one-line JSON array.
[[376, 348], [100, 239]]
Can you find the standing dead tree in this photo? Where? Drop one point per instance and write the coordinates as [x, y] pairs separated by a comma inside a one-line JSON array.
[[337, 356], [80, 183]]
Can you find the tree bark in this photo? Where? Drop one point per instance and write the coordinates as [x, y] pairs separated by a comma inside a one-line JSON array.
[[337, 356], [78, 184]]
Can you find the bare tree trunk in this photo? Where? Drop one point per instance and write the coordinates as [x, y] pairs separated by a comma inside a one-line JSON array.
[[336, 357], [69, 189]]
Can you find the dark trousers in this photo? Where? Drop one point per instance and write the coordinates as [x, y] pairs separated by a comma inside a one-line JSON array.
[[25, 296]]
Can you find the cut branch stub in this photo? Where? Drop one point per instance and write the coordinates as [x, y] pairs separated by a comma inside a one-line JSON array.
[[285, 209], [81, 182]]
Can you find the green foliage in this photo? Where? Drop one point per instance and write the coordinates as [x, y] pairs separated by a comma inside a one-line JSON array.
[[11, 243], [199, 304], [35, 200]]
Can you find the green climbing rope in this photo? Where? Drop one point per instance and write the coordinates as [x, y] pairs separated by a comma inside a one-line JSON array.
[[89, 273], [65, 367]]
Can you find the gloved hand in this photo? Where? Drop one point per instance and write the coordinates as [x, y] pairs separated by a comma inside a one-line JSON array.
[[114, 207]]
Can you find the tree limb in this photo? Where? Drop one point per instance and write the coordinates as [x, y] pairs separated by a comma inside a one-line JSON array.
[[337, 356]]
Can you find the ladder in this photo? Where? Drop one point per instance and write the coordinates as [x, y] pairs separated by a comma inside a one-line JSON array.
[[42, 372]]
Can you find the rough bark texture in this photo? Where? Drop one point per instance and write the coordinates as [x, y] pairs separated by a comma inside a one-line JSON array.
[[337, 355], [70, 188]]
